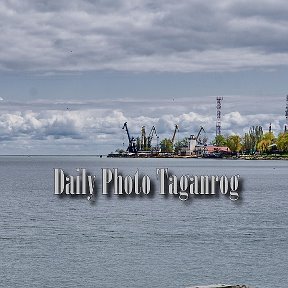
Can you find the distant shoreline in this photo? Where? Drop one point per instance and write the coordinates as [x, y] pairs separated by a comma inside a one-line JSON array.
[[240, 157], [223, 157]]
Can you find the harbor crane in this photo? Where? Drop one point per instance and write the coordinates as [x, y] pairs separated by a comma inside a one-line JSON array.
[[132, 142], [198, 139], [150, 137], [174, 134]]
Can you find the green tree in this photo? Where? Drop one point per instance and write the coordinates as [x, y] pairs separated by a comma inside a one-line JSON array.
[[282, 142], [234, 143], [181, 144], [264, 145], [251, 139], [219, 140], [247, 145], [166, 145], [256, 135]]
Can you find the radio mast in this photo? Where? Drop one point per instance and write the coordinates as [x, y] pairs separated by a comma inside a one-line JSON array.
[[218, 113], [286, 114]]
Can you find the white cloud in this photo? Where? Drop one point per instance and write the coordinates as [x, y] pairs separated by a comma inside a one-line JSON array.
[[99, 130]]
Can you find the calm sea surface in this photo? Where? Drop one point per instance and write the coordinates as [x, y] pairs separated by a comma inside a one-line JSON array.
[[48, 241]]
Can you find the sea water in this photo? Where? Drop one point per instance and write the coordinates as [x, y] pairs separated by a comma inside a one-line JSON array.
[[142, 241]]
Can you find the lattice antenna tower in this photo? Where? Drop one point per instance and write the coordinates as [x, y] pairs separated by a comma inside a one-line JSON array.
[[286, 114], [218, 114]]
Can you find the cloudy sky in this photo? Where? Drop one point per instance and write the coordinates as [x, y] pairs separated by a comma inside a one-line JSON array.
[[72, 72]]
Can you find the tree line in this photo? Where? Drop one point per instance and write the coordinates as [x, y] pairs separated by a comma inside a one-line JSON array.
[[254, 141]]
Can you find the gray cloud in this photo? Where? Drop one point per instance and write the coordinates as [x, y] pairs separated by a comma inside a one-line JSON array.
[[143, 35]]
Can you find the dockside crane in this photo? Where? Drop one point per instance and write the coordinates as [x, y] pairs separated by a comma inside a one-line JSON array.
[[150, 137], [174, 134], [199, 141], [132, 142]]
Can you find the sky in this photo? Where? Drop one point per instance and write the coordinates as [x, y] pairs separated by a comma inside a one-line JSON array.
[[72, 72]]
